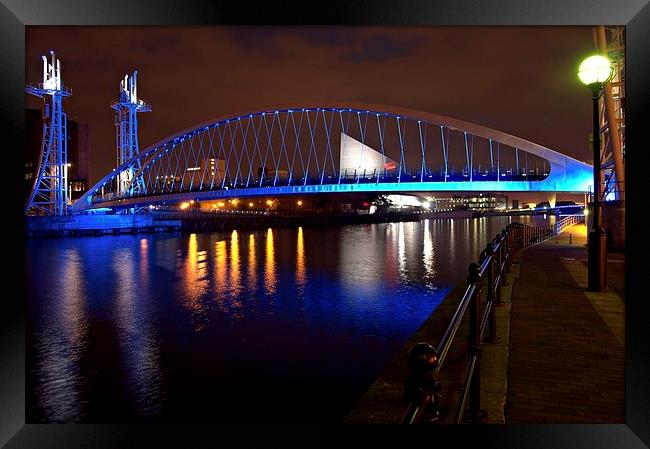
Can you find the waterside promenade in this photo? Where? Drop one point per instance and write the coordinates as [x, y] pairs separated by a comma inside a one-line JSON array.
[[560, 357]]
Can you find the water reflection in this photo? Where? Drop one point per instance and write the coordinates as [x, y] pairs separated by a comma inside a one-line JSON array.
[[62, 342], [269, 268], [220, 265], [300, 260], [195, 281], [144, 263], [235, 275], [170, 325], [136, 337], [252, 264], [401, 252], [427, 252]]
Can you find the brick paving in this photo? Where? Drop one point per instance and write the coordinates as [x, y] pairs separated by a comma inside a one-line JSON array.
[[565, 363]]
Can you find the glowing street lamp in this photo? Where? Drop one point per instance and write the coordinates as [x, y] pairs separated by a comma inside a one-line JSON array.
[[594, 72]]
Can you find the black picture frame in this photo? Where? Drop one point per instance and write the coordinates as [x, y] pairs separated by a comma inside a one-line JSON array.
[[15, 14]]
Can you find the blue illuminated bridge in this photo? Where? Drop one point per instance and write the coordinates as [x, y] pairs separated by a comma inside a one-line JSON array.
[[301, 150]]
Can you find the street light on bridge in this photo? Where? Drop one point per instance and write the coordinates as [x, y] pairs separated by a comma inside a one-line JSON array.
[[594, 72]]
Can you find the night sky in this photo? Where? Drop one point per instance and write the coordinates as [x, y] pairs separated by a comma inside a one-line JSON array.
[[521, 80]]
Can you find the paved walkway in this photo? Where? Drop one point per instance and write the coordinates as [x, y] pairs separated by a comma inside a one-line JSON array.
[[566, 361]]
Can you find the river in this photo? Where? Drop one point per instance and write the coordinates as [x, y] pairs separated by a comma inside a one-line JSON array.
[[277, 325]]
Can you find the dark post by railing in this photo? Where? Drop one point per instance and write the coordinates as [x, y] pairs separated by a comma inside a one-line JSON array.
[[422, 389], [474, 415], [492, 328]]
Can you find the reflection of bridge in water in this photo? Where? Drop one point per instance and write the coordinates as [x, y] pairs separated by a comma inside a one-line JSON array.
[[334, 149]]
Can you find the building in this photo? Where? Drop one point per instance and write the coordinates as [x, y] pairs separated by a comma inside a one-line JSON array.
[[208, 172], [271, 173], [78, 155], [479, 202]]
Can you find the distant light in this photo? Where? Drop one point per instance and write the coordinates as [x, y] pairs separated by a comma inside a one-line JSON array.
[[269, 202], [250, 204], [185, 205], [221, 204], [299, 203], [586, 211]]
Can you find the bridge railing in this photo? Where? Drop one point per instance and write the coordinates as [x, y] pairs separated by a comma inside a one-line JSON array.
[[423, 390], [345, 177], [567, 221]]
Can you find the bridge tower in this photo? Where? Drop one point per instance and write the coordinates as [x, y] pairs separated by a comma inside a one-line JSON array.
[[610, 42], [126, 108], [49, 194]]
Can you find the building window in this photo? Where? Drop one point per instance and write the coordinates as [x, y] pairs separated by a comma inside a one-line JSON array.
[[29, 175]]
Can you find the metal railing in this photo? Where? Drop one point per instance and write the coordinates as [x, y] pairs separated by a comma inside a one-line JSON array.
[[567, 221], [422, 389]]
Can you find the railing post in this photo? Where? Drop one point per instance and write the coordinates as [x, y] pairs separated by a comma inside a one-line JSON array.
[[475, 415], [499, 272], [509, 237], [491, 285]]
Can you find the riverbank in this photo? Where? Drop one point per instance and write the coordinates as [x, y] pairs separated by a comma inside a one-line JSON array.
[[225, 221], [95, 225]]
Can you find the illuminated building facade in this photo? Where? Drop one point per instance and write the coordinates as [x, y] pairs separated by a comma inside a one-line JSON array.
[[482, 201]]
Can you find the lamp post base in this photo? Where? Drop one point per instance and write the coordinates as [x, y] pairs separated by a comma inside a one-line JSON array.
[[597, 267]]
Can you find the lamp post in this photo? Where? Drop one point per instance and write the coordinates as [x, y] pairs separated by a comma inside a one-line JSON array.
[[594, 72]]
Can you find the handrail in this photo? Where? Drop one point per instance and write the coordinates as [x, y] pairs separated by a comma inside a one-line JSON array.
[[567, 221], [422, 388]]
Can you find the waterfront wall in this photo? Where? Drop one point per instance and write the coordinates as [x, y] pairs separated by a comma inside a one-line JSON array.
[[73, 225], [209, 222]]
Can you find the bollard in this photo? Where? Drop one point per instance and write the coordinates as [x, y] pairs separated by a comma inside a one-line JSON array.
[[422, 389], [570, 239]]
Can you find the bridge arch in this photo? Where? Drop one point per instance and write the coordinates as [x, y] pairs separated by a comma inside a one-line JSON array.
[[291, 149]]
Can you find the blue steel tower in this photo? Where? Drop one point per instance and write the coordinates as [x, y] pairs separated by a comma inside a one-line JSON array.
[[49, 195], [126, 123]]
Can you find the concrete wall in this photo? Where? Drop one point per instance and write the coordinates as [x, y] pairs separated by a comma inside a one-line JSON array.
[[81, 222]]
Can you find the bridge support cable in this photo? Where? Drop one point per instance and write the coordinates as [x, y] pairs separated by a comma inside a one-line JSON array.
[[471, 160], [517, 159], [297, 145], [234, 156], [345, 126], [422, 145], [328, 149], [312, 145], [491, 159], [50, 191], [402, 161], [283, 147], [269, 146], [498, 162], [445, 149], [381, 130]]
